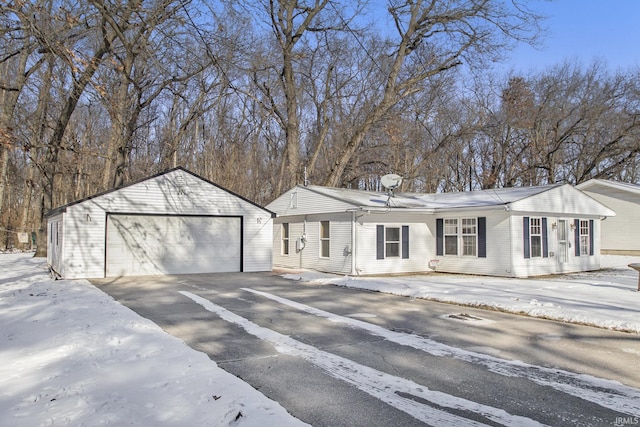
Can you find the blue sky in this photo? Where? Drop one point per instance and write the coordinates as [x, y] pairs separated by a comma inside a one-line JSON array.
[[584, 30]]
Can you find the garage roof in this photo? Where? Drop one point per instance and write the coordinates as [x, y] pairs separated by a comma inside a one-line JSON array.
[[63, 208]]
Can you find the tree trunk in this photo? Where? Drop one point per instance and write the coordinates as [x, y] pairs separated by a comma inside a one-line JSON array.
[[50, 161], [292, 129], [4, 163]]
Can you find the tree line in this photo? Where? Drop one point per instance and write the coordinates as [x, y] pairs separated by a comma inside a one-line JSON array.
[[258, 96]]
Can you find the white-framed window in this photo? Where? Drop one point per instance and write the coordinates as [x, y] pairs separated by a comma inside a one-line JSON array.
[[462, 237], [293, 200], [535, 237], [325, 235], [392, 242], [451, 236], [584, 237], [285, 238], [469, 236]]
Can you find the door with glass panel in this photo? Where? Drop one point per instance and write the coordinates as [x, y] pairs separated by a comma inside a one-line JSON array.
[[563, 243]]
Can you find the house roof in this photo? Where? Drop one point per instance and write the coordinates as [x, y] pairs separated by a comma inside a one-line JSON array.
[[366, 199], [556, 198], [63, 208], [483, 198], [609, 184], [433, 202]]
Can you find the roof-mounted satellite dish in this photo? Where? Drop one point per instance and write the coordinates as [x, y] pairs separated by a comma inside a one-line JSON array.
[[391, 181]]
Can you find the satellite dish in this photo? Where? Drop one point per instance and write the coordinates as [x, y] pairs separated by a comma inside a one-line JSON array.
[[391, 181]]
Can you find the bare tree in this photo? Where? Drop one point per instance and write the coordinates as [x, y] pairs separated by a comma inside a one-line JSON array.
[[438, 36], [150, 54], [567, 124], [67, 34], [17, 64], [299, 28]]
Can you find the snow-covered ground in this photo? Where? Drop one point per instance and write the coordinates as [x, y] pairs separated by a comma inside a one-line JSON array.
[[71, 355], [608, 298]]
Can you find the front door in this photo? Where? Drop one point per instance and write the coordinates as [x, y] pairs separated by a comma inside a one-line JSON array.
[[563, 244]]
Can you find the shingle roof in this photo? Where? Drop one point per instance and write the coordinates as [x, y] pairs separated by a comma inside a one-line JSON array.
[[479, 198], [623, 186], [482, 198]]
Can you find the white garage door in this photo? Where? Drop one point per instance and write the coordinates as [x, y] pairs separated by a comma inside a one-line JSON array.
[[140, 245]]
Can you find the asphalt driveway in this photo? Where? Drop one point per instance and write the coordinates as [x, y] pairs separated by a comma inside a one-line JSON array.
[[337, 356]]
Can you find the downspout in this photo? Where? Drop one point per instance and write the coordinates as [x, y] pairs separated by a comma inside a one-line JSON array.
[[511, 241], [354, 244], [303, 240]]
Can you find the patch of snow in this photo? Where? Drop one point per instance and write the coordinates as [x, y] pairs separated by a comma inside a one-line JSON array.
[[607, 298], [71, 355], [362, 315]]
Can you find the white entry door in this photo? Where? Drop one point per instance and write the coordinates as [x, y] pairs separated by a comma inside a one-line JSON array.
[[155, 244], [563, 244]]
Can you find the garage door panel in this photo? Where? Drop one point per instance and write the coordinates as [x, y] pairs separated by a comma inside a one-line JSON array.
[[143, 245]]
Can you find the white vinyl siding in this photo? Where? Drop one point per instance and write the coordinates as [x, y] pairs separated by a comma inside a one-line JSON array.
[[339, 243], [563, 200], [174, 193], [419, 245], [304, 201], [620, 233], [498, 247], [561, 259]]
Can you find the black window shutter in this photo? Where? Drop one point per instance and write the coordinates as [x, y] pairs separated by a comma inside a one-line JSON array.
[[576, 234], [380, 242], [590, 237], [439, 236], [525, 237], [482, 237], [405, 241], [545, 242]]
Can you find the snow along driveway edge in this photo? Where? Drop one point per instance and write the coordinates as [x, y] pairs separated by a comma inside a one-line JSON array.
[[70, 354]]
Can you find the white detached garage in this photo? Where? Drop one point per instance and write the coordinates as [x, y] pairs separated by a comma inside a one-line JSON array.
[[172, 223]]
